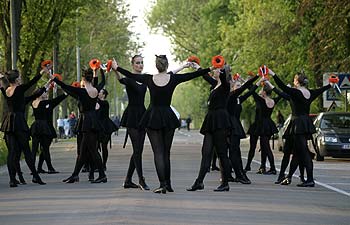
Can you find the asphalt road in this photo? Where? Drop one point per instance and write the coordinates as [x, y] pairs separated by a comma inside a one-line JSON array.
[[262, 202]]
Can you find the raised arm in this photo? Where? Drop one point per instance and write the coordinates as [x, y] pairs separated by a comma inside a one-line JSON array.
[[138, 77], [73, 91], [33, 81], [316, 92], [100, 86], [55, 101], [179, 78], [37, 94], [244, 97], [209, 79]]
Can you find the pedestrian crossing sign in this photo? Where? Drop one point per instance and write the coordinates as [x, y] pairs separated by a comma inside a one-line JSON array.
[[344, 81]]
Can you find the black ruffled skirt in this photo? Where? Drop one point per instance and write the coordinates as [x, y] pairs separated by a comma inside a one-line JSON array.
[[14, 121], [132, 116], [42, 128], [214, 120], [265, 127], [300, 125], [88, 122], [159, 117], [237, 128]]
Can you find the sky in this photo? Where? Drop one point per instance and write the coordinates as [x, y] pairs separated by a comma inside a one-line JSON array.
[[154, 44]]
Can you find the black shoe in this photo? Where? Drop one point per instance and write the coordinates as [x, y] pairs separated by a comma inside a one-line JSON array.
[[196, 186], [222, 187], [37, 180], [279, 180], [270, 172], [215, 168], [286, 181], [242, 180], [302, 179], [13, 183], [100, 180], [168, 187], [52, 171], [21, 178], [142, 184], [246, 178], [71, 179], [130, 184], [160, 190], [307, 184], [261, 171], [41, 171]]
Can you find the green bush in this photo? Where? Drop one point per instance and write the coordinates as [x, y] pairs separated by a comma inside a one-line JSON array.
[[3, 152]]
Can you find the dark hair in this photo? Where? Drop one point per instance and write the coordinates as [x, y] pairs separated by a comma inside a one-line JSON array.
[[302, 79], [105, 92], [88, 74], [12, 75], [161, 63], [134, 57]]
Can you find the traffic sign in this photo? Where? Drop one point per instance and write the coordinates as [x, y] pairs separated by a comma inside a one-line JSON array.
[[344, 81]]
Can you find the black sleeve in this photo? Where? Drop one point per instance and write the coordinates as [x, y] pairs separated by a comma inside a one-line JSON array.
[[246, 85], [209, 79], [138, 77], [103, 81], [32, 97], [280, 93], [31, 82], [73, 91], [244, 97], [179, 78], [289, 91], [315, 93], [54, 102]]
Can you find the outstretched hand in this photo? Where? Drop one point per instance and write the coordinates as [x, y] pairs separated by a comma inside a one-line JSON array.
[[114, 65], [194, 65], [271, 72]]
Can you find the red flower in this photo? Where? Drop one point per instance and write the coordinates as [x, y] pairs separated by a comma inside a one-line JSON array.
[[76, 84], [333, 79], [46, 63], [236, 76], [218, 61], [194, 58], [109, 65], [94, 64], [58, 76]]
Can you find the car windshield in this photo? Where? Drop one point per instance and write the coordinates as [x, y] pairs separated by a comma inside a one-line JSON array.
[[335, 121]]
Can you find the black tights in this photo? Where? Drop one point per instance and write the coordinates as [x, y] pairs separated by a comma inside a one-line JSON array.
[[266, 152], [88, 147], [137, 137], [302, 157], [161, 141], [253, 140], [44, 143], [103, 144], [16, 143], [235, 156], [218, 140]]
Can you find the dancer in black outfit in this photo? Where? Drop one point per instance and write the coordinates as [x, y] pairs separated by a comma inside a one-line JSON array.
[[215, 129], [108, 127], [87, 126], [42, 130], [159, 119], [234, 108], [263, 127], [15, 126], [301, 127], [131, 118]]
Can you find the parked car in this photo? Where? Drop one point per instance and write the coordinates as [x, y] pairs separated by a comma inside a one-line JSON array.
[[332, 137], [280, 139]]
